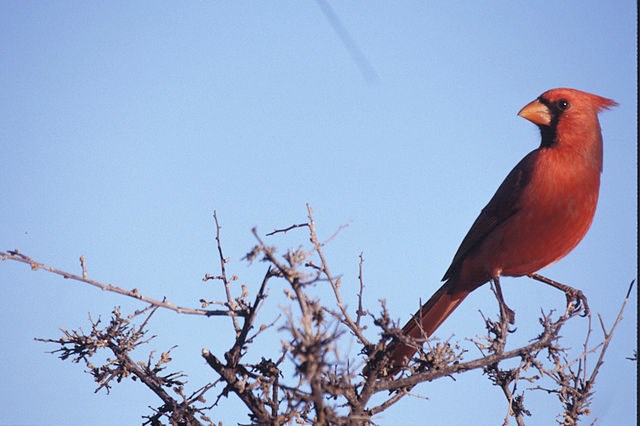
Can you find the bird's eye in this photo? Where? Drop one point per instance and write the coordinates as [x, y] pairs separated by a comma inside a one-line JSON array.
[[562, 104]]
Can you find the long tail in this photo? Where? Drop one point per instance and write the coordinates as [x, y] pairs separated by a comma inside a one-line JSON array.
[[427, 320]]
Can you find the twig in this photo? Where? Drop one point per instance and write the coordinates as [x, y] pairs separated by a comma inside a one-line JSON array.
[[285, 230], [238, 387], [121, 337], [223, 276], [355, 329], [335, 234], [292, 277], [607, 339], [543, 341], [234, 354], [84, 268], [389, 402], [19, 257], [361, 312], [575, 389]]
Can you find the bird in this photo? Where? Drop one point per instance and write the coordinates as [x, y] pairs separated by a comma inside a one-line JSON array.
[[540, 212]]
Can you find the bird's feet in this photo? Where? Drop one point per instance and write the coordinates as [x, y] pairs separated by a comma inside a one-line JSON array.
[[505, 311], [576, 300]]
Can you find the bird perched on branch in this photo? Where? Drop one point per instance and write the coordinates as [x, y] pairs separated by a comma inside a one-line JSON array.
[[540, 212]]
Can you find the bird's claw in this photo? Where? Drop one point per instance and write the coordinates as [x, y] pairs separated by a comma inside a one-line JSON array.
[[579, 300], [576, 300]]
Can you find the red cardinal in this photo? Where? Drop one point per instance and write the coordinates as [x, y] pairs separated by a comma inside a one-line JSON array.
[[537, 216]]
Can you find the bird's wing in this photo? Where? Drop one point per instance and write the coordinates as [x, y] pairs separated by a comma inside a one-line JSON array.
[[504, 204]]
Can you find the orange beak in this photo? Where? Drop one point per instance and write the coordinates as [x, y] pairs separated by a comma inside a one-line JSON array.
[[537, 113]]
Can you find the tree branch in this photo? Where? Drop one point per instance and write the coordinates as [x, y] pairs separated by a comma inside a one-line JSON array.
[[15, 255]]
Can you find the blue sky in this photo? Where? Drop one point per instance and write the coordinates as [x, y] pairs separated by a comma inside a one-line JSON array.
[[123, 125]]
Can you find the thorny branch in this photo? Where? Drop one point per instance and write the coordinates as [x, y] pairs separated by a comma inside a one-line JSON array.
[[231, 303], [574, 384], [15, 255], [121, 337], [310, 377]]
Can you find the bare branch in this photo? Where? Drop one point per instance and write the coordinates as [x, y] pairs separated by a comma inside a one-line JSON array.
[[361, 312], [121, 337], [334, 283], [310, 379], [15, 255], [231, 304], [285, 230]]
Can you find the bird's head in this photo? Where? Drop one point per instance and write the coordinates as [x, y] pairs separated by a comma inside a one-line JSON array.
[[552, 105], [569, 118]]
